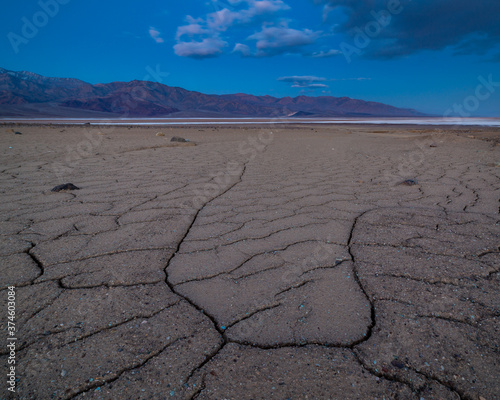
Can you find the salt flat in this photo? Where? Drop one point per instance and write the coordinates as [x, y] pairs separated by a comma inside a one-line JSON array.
[[254, 262]]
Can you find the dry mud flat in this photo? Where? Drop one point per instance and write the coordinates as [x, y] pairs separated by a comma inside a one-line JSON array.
[[252, 265]]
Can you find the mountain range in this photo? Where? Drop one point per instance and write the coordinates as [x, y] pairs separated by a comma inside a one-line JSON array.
[[26, 94]]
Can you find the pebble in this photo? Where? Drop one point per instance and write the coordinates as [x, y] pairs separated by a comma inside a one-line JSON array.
[[409, 182], [179, 139], [397, 364], [65, 186]]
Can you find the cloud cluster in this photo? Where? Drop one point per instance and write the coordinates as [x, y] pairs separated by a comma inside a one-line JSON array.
[[468, 27], [224, 18], [391, 28], [205, 37]]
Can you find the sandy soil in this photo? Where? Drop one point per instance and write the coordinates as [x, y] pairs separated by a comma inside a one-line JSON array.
[[272, 262]]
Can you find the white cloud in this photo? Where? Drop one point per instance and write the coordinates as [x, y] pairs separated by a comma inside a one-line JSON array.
[[191, 30], [243, 49], [267, 6], [326, 11], [279, 40], [302, 78], [329, 53], [310, 85], [155, 35], [352, 79], [223, 19], [208, 47], [305, 81]]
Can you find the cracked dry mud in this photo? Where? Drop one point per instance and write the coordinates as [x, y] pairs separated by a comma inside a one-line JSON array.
[[252, 266]]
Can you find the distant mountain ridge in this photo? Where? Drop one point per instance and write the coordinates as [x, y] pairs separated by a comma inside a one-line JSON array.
[[26, 94]]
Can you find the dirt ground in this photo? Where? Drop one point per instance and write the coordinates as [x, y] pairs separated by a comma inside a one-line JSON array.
[[252, 262]]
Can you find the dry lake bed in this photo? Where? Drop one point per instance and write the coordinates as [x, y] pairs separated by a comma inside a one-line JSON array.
[[252, 262]]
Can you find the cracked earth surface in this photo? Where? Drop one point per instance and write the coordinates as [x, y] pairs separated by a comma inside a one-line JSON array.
[[290, 265]]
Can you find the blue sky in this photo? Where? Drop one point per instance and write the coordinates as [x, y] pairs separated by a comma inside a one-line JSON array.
[[437, 56]]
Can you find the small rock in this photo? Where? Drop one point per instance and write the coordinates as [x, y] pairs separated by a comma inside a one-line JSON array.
[[17, 133], [433, 145], [397, 364], [63, 373], [160, 134], [409, 182], [179, 139], [66, 186]]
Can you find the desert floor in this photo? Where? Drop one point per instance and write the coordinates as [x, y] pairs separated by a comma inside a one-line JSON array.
[[272, 262]]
